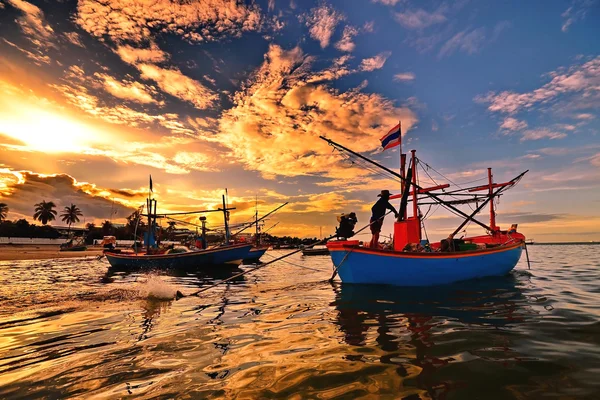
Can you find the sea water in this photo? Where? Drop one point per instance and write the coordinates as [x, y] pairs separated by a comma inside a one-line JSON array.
[[76, 329]]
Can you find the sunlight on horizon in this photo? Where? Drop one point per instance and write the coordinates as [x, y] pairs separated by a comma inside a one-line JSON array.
[[46, 131]]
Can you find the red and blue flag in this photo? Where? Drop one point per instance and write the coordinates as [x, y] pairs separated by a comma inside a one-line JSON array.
[[392, 139]]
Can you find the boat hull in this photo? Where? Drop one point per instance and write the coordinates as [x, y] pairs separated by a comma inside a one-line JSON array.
[[255, 254], [368, 266], [195, 259]]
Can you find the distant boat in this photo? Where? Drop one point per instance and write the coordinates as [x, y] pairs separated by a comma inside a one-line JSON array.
[[258, 250], [230, 254], [412, 260], [316, 251], [70, 245]]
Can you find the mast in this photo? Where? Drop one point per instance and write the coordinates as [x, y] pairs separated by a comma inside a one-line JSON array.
[[492, 212], [226, 222], [256, 220]]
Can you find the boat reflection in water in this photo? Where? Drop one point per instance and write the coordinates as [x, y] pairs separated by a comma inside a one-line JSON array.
[[435, 337]]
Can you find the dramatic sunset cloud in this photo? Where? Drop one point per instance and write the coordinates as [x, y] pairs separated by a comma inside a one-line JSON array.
[[96, 95]]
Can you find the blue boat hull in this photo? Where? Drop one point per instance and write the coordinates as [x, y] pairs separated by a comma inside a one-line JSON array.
[[195, 259], [255, 254], [367, 266]]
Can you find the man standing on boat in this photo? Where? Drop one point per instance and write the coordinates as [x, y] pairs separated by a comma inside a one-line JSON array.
[[378, 214]]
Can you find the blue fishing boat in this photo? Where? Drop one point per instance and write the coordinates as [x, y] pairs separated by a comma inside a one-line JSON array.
[[255, 254], [230, 254], [411, 260], [357, 264]]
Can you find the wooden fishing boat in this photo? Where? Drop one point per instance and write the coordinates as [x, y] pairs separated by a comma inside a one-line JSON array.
[[74, 248], [255, 254], [412, 260], [316, 251], [71, 245], [357, 264], [229, 254]]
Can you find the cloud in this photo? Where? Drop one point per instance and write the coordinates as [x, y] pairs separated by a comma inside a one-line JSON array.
[[127, 90], [513, 124], [139, 20], [583, 80], [282, 114], [576, 12], [595, 160], [469, 42], [346, 44], [133, 55], [386, 2], [38, 56], [420, 19], [404, 76], [32, 22], [170, 80], [22, 189], [541, 133], [585, 116], [173, 82], [74, 38], [373, 63], [321, 22]]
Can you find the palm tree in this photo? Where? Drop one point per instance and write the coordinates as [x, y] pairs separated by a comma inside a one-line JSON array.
[[71, 215], [3, 211], [106, 227], [44, 212]]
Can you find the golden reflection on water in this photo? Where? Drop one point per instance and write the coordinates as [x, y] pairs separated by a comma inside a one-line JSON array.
[[285, 332]]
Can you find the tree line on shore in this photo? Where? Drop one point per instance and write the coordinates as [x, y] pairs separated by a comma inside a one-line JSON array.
[[45, 212]]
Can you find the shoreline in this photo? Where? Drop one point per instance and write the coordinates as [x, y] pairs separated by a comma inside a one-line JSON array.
[[22, 252]]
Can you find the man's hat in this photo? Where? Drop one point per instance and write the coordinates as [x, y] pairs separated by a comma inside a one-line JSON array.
[[384, 193]]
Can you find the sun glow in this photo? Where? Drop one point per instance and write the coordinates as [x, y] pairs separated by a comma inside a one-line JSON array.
[[43, 131]]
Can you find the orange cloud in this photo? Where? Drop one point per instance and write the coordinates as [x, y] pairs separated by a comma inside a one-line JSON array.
[[282, 116], [138, 20], [373, 63], [173, 82], [127, 90]]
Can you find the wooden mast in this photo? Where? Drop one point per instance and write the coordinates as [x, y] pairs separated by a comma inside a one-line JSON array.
[[225, 219]]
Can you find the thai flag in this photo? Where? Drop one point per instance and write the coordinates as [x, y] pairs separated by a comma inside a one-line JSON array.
[[392, 139]]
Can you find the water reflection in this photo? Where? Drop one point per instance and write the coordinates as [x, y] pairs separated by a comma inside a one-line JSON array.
[[429, 334]]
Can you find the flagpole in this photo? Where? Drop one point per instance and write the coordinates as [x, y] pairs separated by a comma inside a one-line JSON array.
[[402, 167]]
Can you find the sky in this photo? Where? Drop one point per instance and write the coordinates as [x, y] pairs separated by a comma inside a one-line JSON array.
[[96, 95]]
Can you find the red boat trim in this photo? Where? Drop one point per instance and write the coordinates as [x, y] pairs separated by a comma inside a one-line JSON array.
[[388, 253]]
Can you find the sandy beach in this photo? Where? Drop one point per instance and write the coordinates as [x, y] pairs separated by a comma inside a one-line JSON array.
[[42, 252]]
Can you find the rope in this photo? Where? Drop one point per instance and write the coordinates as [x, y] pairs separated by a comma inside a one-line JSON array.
[[196, 293]]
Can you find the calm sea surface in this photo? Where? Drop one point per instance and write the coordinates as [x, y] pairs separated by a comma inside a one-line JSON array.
[[73, 329]]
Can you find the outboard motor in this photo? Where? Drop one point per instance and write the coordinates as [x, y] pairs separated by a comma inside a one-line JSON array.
[[347, 224]]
